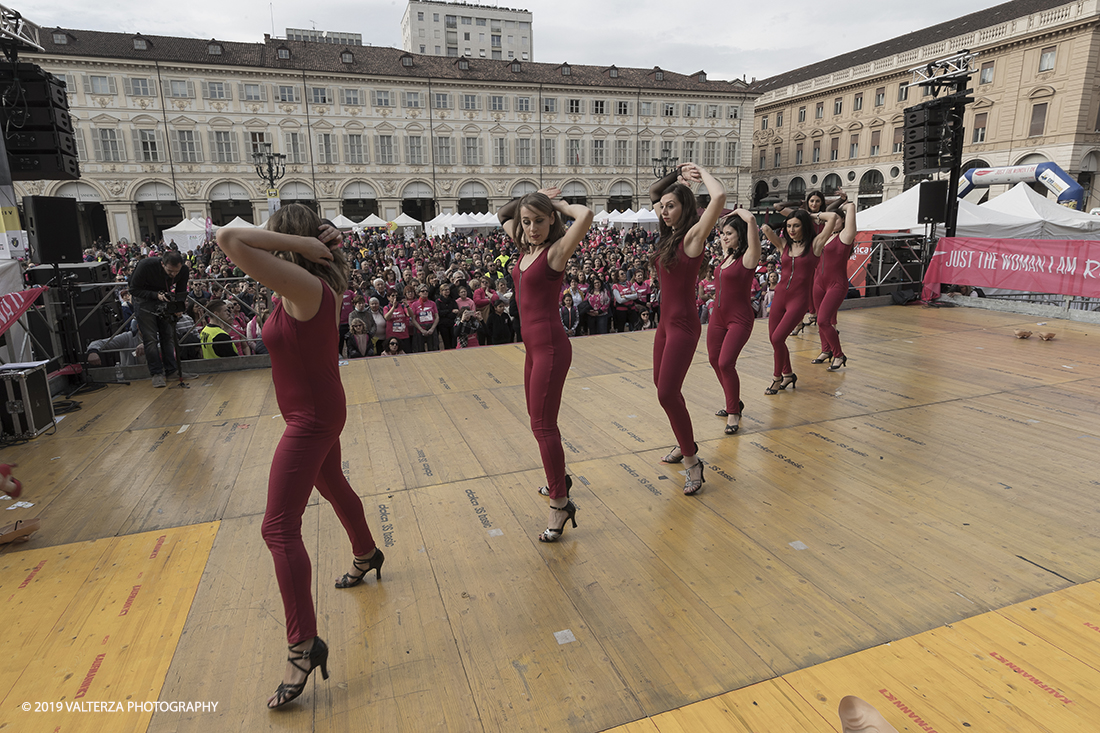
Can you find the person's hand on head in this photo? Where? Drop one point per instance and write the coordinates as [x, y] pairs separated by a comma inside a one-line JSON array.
[[315, 250], [331, 236]]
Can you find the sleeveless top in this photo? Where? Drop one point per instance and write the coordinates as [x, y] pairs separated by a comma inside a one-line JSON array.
[[304, 365], [733, 296], [537, 289], [678, 291], [798, 272], [834, 261]]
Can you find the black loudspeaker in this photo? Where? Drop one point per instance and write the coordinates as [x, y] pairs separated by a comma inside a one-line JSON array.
[[53, 231], [932, 205], [38, 128]]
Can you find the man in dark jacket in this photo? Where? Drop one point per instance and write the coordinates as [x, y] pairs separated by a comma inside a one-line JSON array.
[[158, 285]]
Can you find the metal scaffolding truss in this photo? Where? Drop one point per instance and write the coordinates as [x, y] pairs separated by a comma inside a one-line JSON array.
[[17, 31]]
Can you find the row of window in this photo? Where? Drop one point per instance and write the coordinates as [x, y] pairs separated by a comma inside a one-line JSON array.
[[495, 24], [1036, 128], [1047, 58], [352, 97], [148, 145]]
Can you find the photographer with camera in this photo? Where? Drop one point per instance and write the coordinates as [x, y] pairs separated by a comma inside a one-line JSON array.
[[158, 288]]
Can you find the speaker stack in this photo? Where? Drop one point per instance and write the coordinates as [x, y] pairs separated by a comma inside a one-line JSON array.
[[37, 126], [928, 138], [100, 323]]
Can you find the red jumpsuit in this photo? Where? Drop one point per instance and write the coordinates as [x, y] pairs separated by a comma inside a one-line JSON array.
[[549, 355], [311, 399], [675, 342], [730, 326], [830, 290], [790, 303]]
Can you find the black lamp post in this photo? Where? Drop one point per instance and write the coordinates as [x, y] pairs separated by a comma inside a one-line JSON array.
[[270, 167], [663, 166]]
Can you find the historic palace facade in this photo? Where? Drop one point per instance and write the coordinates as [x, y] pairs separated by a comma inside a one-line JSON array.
[[167, 128], [837, 123]]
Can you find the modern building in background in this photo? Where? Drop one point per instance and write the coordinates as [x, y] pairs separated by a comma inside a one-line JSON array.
[[465, 29], [838, 123], [335, 38], [166, 128]]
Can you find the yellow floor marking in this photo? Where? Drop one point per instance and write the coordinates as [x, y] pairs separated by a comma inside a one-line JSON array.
[[96, 622]]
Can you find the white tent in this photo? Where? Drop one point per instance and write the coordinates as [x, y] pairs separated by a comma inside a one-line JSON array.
[[374, 221], [465, 221], [489, 219], [342, 222], [900, 214], [239, 223], [189, 234], [646, 216], [625, 217], [439, 225], [601, 215], [1057, 222], [404, 220]]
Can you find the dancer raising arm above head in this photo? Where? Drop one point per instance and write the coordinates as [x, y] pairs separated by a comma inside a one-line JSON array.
[[831, 287], [800, 253], [536, 224], [683, 235], [732, 320], [308, 273]]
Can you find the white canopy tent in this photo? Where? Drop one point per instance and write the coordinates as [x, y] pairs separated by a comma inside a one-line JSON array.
[[900, 214], [342, 222], [238, 223], [1057, 222], [404, 220], [374, 221], [189, 234]]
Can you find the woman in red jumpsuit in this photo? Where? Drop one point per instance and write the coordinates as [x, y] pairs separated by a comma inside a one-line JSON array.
[[301, 335], [800, 253], [533, 222], [683, 237], [831, 287], [731, 323]]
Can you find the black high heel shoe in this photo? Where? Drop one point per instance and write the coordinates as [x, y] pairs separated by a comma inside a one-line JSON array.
[[692, 485], [834, 367], [316, 656], [545, 490], [374, 562], [732, 429], [553, 535], [799, 329], [677, 459], [787, 380], [825, 356]]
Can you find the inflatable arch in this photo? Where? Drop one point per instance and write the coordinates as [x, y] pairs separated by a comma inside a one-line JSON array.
[[1069, 192]]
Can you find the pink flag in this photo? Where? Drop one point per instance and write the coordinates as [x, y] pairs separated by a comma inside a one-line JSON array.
[[13, 305]]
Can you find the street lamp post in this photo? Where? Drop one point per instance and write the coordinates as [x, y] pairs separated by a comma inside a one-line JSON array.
[[664, 165], [270, 167]]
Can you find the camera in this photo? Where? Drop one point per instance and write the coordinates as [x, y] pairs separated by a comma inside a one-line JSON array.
[[169, 308]]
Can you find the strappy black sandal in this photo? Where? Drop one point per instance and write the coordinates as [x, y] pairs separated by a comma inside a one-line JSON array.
[[374, 562], [316, 656]]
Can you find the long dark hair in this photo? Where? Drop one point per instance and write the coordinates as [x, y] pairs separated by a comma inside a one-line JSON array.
[[741, 227], [304, 222], [669, 243], [808, 231], [539, 203]]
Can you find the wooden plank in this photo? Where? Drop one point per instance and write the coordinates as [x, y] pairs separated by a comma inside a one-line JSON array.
[[781, 615], [506, 605], [400, 665], [128, 599], [766, 706], [665, 642], [432, 446], [233, 648]]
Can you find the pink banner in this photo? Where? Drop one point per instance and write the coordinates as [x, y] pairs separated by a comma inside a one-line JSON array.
[[1058, 266], [16, 304]]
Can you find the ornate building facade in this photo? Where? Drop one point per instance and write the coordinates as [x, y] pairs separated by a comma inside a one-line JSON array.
[[837, 123], [167, 128]]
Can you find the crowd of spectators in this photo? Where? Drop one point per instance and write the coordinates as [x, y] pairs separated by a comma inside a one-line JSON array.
[[416, 294]]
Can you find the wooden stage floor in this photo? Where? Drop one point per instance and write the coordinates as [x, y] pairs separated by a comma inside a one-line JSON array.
[[920, 529]]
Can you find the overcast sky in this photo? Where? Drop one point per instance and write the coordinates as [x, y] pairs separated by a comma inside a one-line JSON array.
[[727, 40]]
